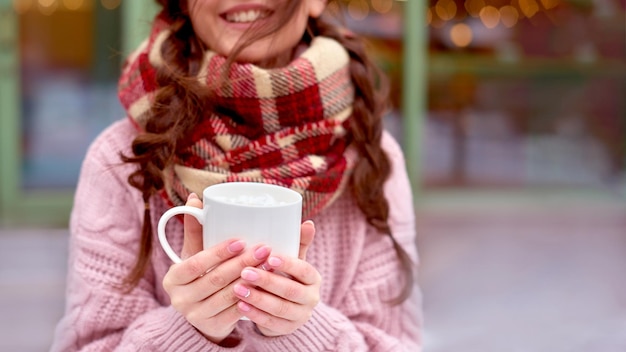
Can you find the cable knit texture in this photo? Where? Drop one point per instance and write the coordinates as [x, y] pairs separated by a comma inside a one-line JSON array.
[[359, 268]]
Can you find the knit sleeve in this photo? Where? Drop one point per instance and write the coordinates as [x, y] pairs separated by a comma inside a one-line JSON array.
[[104, 233], [363, 320]]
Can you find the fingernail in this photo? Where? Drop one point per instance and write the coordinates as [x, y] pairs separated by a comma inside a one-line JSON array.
[[274, 261], [249, 275], [192, 195], [236, 246], [310, 222], [244, 306], [242, 291], [261, 253]]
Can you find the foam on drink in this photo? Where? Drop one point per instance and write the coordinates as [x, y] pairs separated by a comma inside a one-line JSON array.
[[264, 200]]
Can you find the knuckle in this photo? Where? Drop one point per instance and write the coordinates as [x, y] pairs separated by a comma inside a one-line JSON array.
[[292, 293], [227, 296], [216, 280], [167, 284], [309, 272], [268, 321], [194, 267], [315, 299], [283, 309], [317, 278], [177, 302], [248, 260], [222, 253], [244, 262]]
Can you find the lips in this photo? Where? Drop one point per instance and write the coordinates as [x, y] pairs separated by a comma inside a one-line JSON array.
[[246, 16]]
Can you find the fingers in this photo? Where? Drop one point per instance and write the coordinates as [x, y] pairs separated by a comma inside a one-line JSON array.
[[282, 286], [192, 242], [200, 263], [307, 233], [297, 269], [270, 303], [222, 302], [276, 285], [277, 294], [269, 324], [276, 303], [226, 273]]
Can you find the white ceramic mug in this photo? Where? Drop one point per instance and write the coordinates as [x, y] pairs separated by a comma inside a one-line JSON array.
[[254, 212]]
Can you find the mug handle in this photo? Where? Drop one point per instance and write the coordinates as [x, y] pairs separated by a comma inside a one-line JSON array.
[[182, 209]]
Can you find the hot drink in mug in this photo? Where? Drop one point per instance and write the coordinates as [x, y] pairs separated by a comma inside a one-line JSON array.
[[255, 212]]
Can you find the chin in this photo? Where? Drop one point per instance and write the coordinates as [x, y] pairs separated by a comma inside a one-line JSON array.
[[268, 53]]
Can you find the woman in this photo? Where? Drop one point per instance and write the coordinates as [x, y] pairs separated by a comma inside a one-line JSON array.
[[260, 91]]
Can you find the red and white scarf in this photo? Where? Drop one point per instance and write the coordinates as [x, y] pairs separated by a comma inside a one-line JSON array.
[[286, 126]]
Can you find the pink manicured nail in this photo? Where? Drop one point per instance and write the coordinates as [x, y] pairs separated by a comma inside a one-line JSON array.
[[310, 222], [274, 261], [261, 253], [192, 196], [242, 291], [249, 275], [244, 306], [236, 246]]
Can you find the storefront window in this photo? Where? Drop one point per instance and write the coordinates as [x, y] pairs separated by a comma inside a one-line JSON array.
[[70, 57], [526, 94], [522, 94]]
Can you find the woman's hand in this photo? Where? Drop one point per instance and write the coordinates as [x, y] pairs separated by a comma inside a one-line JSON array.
[[201, 288], [281, 299]]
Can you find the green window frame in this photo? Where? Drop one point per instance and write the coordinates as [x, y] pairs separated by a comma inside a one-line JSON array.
[[42, 207]]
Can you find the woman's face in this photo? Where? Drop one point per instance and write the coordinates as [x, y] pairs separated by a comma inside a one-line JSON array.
[[221, 23]]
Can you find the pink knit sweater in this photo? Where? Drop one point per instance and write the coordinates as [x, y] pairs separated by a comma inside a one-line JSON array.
[[358, 266]]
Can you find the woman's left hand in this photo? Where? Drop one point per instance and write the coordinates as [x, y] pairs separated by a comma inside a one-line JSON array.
[[281, 299]]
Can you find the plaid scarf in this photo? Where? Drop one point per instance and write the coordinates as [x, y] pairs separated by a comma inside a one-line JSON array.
[[282, 126]]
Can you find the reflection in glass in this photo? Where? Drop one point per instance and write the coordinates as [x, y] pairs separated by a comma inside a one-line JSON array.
[[70, 60], [526, 93]]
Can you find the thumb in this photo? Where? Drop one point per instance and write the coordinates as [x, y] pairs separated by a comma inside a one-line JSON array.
[[192, 241], [307, 233]]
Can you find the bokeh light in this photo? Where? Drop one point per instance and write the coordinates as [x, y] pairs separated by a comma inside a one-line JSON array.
[[529, 7], [48, 7], [446, 9], [358, 9], [73, 4], [382, 6], [461, 35], [111, 4], [490, 16], [473, 7], [509, 16]]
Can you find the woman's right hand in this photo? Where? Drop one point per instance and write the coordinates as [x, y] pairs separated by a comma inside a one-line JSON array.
[[201, 286]]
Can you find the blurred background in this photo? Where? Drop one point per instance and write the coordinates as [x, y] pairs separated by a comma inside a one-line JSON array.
[[512, 115]]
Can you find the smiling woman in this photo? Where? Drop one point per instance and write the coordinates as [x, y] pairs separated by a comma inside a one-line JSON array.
[[274, 92], [264, 32]]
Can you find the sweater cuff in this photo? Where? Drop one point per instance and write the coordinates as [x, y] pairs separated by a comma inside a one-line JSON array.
[[165, 329], [325, 331]]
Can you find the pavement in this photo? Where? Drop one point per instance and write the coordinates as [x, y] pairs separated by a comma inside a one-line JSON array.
[[524, 278], [506, 278]]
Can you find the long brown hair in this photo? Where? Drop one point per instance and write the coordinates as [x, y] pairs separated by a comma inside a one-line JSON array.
[[181, 102]]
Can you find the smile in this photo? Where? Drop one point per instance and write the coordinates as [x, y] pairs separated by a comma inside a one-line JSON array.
[[246, 16]]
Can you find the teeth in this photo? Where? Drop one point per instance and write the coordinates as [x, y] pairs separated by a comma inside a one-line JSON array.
[[246, 16]]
